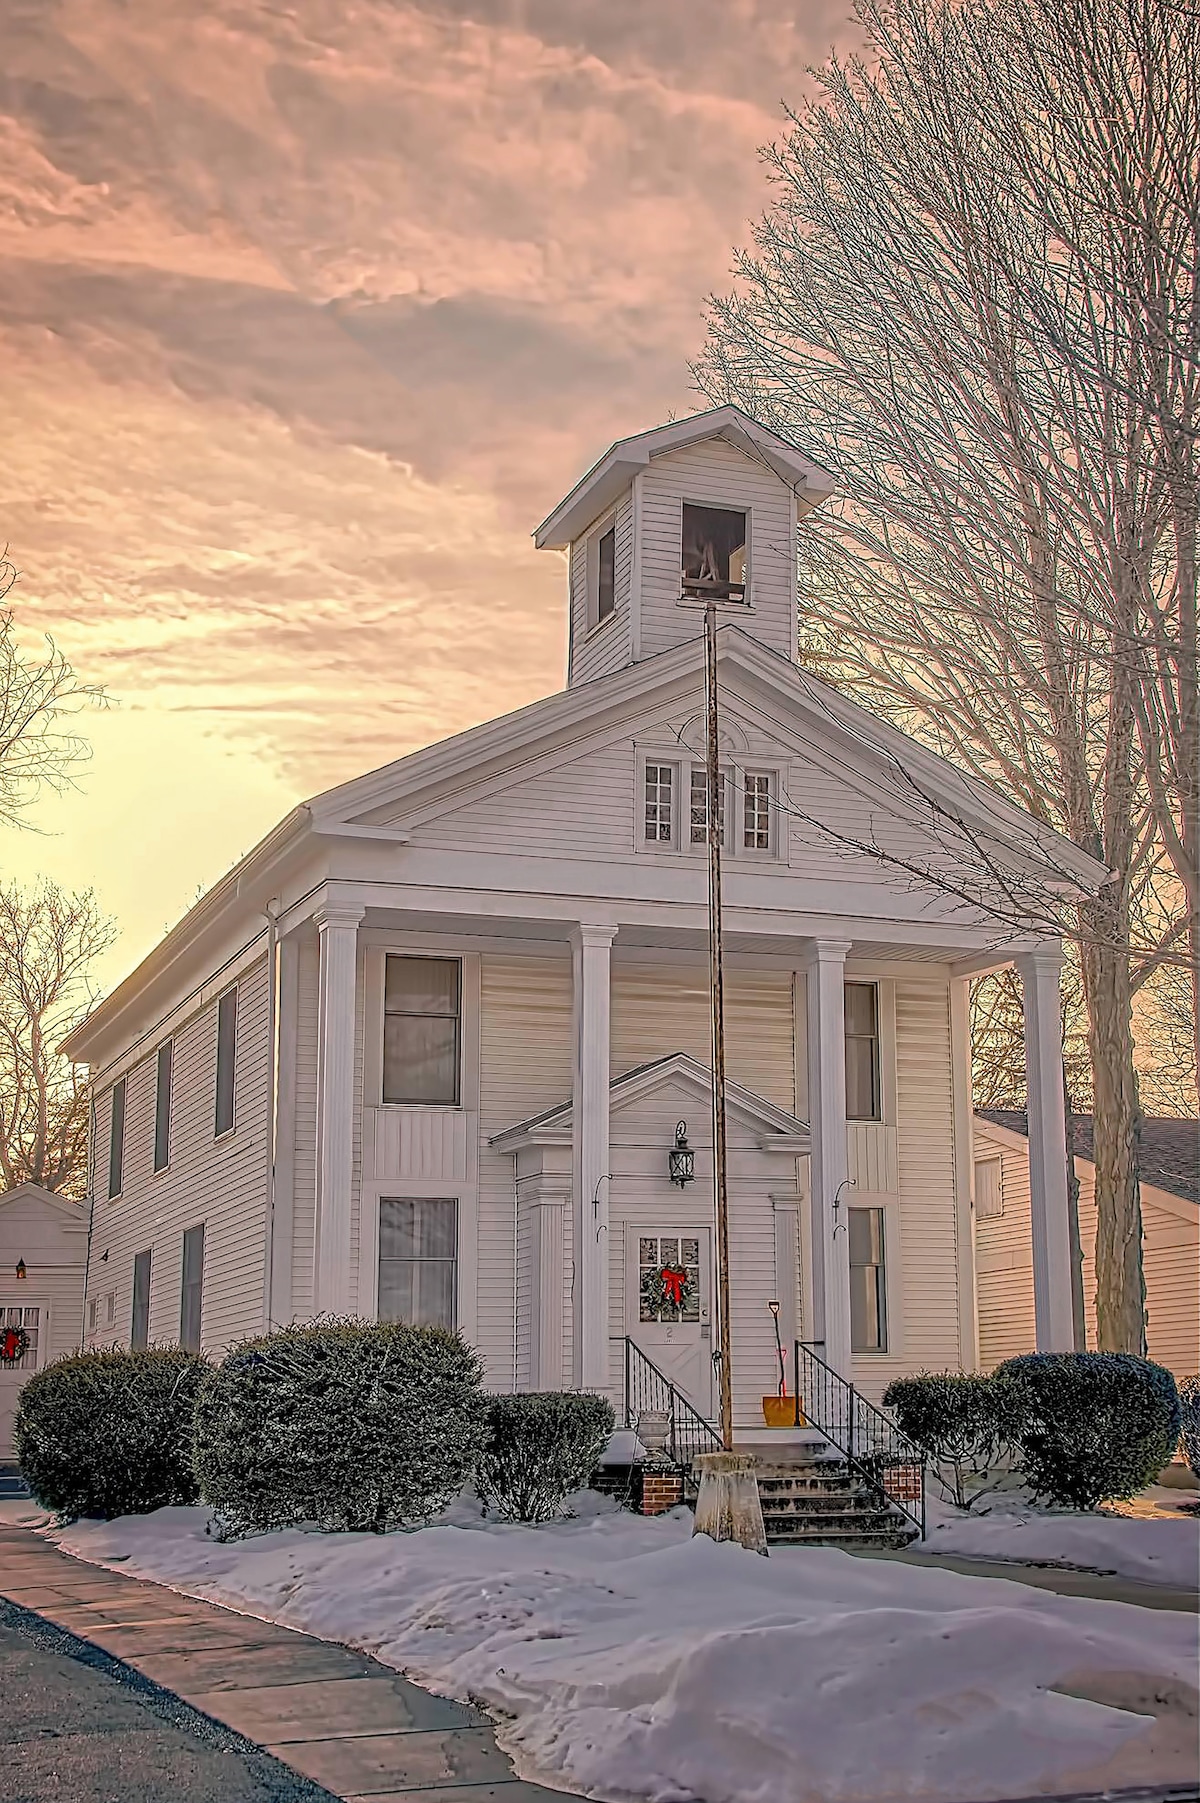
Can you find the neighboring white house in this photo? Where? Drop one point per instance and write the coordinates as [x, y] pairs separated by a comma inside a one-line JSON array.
[[424, 1051], [43, 1252], [1169, 1157]]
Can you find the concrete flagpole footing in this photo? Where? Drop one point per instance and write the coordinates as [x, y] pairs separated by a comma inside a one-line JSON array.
[[728, 1506]]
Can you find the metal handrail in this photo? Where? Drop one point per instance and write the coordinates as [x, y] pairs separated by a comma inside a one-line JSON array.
[[646, 1387], [870, 1442]]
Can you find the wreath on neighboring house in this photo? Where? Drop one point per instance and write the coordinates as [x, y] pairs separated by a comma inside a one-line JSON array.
[[671, 1287], [14, 1344]]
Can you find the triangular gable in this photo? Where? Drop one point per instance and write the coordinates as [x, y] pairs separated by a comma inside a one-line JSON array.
[[775, 1127], [48, 1198]]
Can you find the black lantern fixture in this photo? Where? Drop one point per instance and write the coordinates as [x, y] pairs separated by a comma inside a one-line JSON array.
[[681, 1160], [20, 1270]]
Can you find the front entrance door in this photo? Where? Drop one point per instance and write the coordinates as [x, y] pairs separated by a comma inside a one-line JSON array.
[[677, 1337], [32, 1319]]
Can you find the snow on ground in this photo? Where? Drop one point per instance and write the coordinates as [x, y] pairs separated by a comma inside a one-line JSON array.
[[628, 1660], [1006, 1526]]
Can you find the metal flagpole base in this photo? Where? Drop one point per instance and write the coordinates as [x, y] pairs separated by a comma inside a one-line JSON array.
[[728, 1506]]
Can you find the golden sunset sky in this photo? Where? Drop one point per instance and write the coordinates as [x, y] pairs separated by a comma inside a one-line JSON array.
[[309, 313]]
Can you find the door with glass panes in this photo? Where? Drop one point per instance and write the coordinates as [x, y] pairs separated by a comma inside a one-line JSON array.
[[32, 1319], [668, 1289]]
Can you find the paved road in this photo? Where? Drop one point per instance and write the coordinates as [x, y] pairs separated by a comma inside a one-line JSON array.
[[77, 1726]]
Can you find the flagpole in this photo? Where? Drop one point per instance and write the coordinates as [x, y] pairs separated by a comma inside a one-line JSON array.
[[717, 986]]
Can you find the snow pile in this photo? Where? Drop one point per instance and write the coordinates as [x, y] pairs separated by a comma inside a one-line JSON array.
[[1006, 1526], [632, 1661]]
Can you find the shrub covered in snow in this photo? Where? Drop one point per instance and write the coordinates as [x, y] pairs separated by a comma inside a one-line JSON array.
[[355, 1425], [110, 1433], [1091, 1425], [1189, 1405], [540, 1448], [958, 1417]]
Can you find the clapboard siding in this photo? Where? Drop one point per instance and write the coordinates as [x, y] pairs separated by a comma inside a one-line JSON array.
[[713, 472], [584, 807], [1004, 1262], [222, 1183], [525, 1066], [661, 1009], [598, 650]]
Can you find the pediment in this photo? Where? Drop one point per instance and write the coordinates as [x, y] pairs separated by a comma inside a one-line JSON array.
[[681, 1077]]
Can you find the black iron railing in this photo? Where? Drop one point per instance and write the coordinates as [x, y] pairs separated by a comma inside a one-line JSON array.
[[646, 1388], [869, 1441]]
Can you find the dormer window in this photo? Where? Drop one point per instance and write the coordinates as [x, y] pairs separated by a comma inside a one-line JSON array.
[[713, 553]]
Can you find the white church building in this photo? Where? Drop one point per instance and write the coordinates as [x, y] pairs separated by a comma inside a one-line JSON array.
[[423, 1054]]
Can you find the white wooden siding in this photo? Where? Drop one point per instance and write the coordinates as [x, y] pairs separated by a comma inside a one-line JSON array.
[[609, 646], [714, 473], [526, 1065], [659, 1009], [222, 1183], [1004, 1262]]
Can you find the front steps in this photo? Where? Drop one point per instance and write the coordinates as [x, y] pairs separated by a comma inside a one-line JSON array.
[[810, 1497], [12, 1484]]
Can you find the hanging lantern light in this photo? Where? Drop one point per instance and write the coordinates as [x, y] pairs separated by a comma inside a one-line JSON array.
[[681, 1160], [20, 1270]]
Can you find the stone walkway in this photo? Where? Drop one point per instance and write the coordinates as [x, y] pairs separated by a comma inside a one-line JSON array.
[[338, 1717]]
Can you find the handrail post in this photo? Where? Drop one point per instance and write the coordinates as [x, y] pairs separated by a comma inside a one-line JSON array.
[[796, 1380]]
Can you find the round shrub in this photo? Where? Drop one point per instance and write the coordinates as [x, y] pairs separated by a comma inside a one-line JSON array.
[[540, 1448], [1189, 1405], [356, 1425], [110, 1433], [957, 1416], [1091, 1426]]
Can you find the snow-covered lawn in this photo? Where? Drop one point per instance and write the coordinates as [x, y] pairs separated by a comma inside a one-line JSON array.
[[626, 1659], [1163, 1551]]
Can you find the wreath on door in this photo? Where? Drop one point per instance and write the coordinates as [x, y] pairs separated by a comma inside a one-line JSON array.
[[671, 1287], [14, 1344]]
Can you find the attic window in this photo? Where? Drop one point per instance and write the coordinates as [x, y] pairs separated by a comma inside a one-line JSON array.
[[606, 574], [714, 553]]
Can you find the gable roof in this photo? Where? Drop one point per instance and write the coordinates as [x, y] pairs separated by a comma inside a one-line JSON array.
[[1168, 1149], [614, 472], [776, 1127], [33, 1192]]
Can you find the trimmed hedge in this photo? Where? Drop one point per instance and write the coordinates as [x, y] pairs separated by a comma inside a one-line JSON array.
[[959, 1418], [1189, 1404], [540, 1448], [1091, 1426], [110, 1433], [356, 1425]]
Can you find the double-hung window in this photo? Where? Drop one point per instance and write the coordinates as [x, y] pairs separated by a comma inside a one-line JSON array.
[[162, 1105], [116, 1140], [226, 1062], [422, 1030], [418, 1260], [868, 1289], [863, 1089], [660, 797], [191, 1300], [756, 810], [139, 1327]]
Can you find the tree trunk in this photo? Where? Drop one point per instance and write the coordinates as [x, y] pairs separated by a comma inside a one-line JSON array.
[[1120, 1288]]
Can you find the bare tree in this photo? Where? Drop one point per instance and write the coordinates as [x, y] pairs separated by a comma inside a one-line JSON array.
[[38, 696], [998, 1041], [946, 303], [48, 943]]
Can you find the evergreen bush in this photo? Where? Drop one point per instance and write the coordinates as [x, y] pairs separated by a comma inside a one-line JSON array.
[[1092, 1426], [540, 1448], [110, 1433], [356, 1425], [957, 1417], [1189, 1405]]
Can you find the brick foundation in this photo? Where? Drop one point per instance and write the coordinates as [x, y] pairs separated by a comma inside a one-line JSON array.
[[661, 1490]]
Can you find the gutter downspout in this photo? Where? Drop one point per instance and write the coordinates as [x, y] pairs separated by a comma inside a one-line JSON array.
[[271, 911]]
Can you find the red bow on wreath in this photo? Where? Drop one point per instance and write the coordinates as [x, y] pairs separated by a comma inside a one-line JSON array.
[[674, 1281], [14, 1344]]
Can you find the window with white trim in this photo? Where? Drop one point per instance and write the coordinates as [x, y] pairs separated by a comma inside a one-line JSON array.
[[418, 1260], [116, 1140], [868, 1287], [226, 1062], [713, 553], [863, 1061], [31, 1320], [756, 810], [660, 796], [989, 1189], [422, 1030], [162, 1105]]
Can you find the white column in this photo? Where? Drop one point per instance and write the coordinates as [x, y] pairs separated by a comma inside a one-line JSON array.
[[964, 1170], [826, 982], [593, 951], [546, 1300], [332, 1276], [283, 1199], [1049, 1215]]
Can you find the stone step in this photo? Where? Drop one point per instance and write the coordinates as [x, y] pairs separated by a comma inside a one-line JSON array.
[[832, 1509], [890, 1540]]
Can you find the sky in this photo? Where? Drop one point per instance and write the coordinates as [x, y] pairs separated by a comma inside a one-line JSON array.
[[308, 314]]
